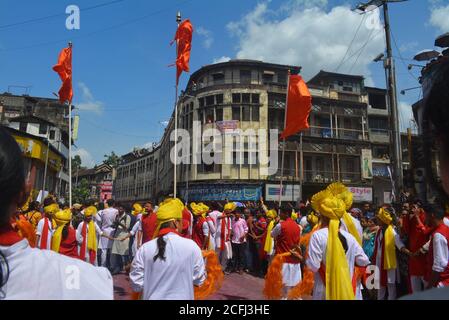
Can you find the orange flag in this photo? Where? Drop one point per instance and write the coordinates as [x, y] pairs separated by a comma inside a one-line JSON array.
[[298, 107], [64, 69], [184, 38]]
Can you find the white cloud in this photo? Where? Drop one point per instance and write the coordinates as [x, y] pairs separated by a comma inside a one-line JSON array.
[[222, 59], [208, 38], [312, 38], [88, 101], [409, 47], [439, 17], [405, 116], [86, 158]]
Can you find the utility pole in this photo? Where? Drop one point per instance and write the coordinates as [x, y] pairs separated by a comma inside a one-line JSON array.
[[392, 93]]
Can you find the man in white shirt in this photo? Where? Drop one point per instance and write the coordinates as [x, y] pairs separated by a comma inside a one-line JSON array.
[[168, 267], [107, 221]]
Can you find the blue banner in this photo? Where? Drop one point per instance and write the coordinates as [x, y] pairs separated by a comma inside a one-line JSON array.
[[232, 192]]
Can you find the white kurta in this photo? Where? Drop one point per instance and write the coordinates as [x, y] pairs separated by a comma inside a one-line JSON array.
[[392, 274], [136, 228], [228, 247], [172, 279], [107, 220], [40, 228], [46, 275], [79, 238], [317, 255], [212, 231], [446, 221], [440, 253], [291, 272], [357, 224]]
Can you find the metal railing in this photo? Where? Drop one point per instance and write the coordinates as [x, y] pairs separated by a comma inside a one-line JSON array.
[[340, 133]]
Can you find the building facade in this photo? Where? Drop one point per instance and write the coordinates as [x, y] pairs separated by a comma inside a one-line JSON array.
[[229, 111], [100, 181]]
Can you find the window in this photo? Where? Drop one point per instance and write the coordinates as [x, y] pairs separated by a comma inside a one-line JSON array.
[[219, 78], [235, 112], [246, 113], [267, 78], [210, 115], [255, 98], [43, 128], [201, 101], [236, 98], [23, 126], [348, 89], [245, 76], [219, 99], [52, 134], [255, 113], [219, 114], [246, 97], [282, 77], [210, 100]]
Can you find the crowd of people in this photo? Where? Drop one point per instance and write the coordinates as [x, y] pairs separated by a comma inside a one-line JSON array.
[[325, 248]]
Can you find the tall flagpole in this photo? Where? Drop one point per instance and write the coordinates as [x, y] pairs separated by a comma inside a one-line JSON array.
[[283, 143], [178, 21], [70, 147]]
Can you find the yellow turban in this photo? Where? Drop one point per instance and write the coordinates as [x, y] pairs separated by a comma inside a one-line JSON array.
[[137, 209], [92, 235], [268, 245], [61, 218], [340, 191], [230, 207], [90, 211], [312, 218], [51, 209], [389, 243], [76, 206], [294, 216], [169, 210], [338, 281], [272, 214], [199, 209]]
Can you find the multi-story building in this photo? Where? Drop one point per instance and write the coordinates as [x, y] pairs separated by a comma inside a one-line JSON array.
[[40, 126], [100, 181], [347, 140]]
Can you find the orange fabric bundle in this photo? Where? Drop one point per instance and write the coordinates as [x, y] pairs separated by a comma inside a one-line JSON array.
[[214, 276], [136, 295], [26, 231], [305, 287], [273, 278]]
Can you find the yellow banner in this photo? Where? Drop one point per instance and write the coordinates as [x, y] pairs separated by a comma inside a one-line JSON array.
[[33, 148]]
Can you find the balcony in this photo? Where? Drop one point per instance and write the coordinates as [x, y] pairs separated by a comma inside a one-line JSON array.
[[379, 135], [340, 133], [318, 176], [377, 112]]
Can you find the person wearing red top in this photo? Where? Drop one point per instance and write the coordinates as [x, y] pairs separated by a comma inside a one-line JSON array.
[[287, 235], [69, 243], [412, 227], [187, 223], [149, 223], [437, 258]]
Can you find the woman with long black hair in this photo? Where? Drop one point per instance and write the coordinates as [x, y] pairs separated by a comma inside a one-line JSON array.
[[53, 276]]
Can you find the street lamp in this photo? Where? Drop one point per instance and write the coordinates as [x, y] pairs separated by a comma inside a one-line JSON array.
[[405, 90]]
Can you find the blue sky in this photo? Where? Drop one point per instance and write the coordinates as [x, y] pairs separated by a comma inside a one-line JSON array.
[[121, 80]]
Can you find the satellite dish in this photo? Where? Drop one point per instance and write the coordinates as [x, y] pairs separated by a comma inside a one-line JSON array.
[[426, 55], [442, 41]]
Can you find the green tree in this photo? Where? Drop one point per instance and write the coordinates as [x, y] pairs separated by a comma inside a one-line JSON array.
[[81, 192], [76, 163], [112, 159]]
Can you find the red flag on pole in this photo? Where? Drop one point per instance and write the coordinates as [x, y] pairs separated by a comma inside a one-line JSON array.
[[299, 104], [64, 69], [184, 43]]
